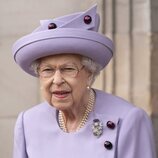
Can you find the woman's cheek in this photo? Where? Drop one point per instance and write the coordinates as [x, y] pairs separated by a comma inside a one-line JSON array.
[[46, 94], [45, 90]]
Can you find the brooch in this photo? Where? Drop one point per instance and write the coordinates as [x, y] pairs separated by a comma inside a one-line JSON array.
[[97, 128]]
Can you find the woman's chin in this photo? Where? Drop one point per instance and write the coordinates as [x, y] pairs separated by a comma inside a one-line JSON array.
[[61, 104]]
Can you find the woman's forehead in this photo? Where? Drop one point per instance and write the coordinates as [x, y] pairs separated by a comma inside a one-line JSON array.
[[61, 59]]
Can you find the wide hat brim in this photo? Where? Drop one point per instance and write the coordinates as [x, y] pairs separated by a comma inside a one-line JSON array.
[[62, 41]]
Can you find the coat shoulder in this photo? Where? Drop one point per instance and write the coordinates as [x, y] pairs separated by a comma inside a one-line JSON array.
[[39, 111], [113, 105]]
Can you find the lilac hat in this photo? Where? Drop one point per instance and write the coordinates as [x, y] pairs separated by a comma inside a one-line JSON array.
[[73, 34]]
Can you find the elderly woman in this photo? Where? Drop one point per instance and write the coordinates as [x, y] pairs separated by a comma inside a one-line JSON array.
[[75, 121]]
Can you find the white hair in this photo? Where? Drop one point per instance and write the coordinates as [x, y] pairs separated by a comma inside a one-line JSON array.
[[90, 65]]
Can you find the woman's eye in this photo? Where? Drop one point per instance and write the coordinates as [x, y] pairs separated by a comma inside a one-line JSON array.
[[48, 70], [69, 69]]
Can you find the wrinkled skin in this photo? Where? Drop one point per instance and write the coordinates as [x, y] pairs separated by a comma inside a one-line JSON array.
[[70, 95]]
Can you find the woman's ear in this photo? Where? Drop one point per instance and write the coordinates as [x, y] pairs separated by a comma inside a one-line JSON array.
[[90, 80]]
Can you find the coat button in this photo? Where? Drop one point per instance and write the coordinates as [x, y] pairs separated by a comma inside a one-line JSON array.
[[108, 145], [87, 19], [52, 26], [110, 125]]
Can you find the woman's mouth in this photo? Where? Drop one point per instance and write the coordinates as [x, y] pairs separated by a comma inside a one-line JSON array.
[[61, 94]]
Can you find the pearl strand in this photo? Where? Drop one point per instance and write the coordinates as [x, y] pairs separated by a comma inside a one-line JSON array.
[[89, 108]]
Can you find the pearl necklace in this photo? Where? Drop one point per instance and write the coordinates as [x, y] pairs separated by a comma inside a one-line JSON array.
[[89, 108]]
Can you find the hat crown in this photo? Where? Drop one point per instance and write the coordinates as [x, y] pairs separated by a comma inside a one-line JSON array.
[[76, 20], [71, 34]]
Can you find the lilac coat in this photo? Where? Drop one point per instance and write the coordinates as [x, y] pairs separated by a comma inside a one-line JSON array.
[[37, 134]]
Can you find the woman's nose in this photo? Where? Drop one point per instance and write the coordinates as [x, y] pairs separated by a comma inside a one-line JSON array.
[[57, 78]]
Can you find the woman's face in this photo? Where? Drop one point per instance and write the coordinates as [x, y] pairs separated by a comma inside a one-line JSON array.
[[64, 81]]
